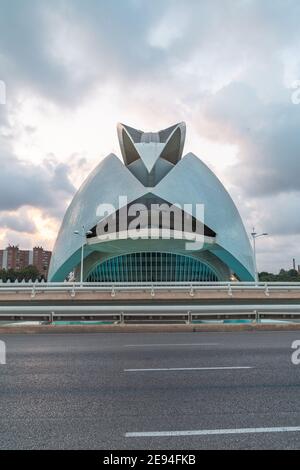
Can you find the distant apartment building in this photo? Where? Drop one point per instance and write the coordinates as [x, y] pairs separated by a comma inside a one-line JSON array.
[[41, 259], [14, 258]]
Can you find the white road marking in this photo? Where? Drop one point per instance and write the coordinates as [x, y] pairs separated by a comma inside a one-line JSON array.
[[188, 368], [213, 432], [169, 344]]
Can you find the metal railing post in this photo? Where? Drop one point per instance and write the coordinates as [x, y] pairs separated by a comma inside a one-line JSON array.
[[33, 291], [73, 291], [267, 289]]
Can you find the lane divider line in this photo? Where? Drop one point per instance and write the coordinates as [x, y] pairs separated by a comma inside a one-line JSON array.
[[214, 432], [169, 344], [189, 368]]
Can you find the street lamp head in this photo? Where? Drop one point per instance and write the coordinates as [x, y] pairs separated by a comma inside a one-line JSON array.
[[76, 232], [256, 235], [261, 235], [89, 232]]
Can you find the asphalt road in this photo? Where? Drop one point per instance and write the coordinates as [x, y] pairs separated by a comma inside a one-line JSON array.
[[108, 390]]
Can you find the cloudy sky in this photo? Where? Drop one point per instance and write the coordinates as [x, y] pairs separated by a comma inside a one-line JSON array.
[[74, 68]]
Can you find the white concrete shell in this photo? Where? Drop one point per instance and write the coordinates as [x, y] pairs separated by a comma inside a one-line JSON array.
[[191, 180], [153, 166], [108, 180]]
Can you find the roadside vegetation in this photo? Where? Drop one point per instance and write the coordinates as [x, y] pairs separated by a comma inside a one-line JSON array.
[[26, 274], [283, 276]]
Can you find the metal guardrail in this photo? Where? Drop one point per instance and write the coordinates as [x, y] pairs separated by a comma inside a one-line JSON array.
[[76, 287], [146, 313]]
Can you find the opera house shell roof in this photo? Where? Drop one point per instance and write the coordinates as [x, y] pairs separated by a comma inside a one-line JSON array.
[[153, 171]]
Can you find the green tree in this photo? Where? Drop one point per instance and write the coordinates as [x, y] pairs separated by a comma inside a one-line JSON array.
[[30, 272], [283, 276]]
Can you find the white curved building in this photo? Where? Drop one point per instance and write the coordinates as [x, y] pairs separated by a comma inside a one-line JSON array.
[[128, 217]]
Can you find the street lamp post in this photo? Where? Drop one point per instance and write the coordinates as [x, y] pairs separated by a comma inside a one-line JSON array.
[[254, 237], [82, 234]]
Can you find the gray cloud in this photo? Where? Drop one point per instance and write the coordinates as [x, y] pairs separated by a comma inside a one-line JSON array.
[[24, 40], [266, 176], [17, 223], [23, 184], [267, 135], [63, 48]]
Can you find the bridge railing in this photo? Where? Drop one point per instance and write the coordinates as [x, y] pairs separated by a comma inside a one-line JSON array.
[[73, 287], [27, 310], [149, 313]]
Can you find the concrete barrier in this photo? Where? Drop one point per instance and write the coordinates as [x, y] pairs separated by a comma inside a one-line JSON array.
[[128, 328]]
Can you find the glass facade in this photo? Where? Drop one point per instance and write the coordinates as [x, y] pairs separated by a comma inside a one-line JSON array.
[[152, 267]]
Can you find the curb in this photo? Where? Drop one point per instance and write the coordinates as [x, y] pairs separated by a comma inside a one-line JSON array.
[[56, 329]]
